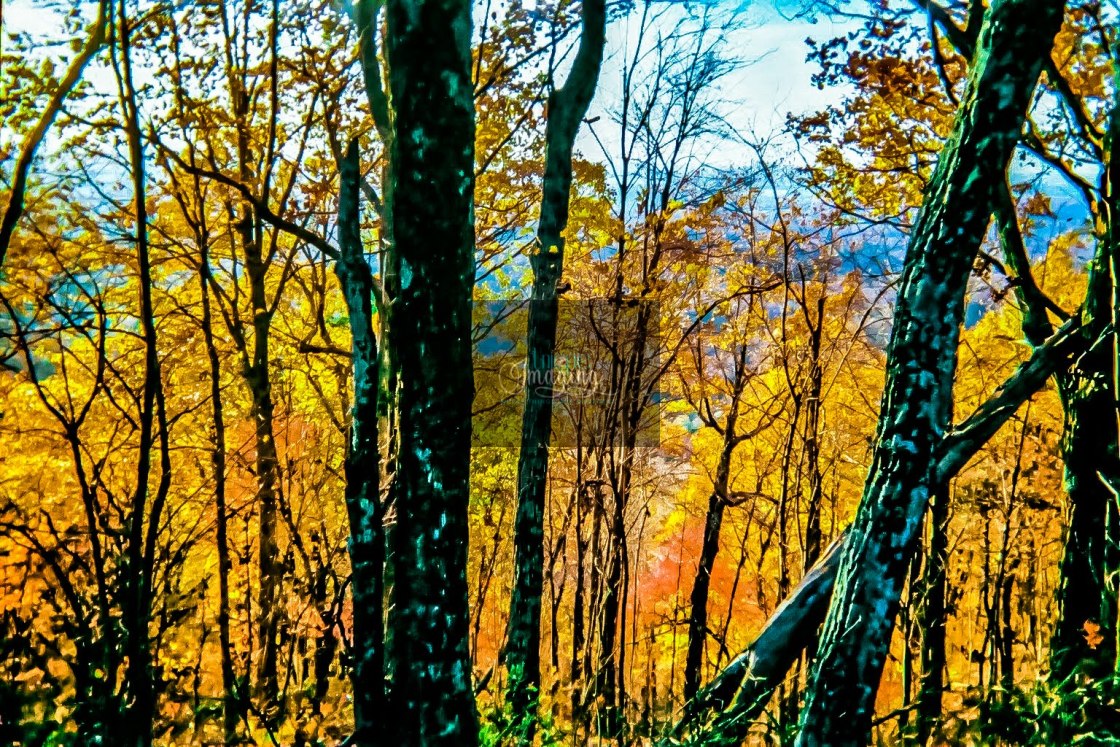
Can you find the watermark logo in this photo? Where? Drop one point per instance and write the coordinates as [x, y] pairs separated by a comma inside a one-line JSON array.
[[600, 379]]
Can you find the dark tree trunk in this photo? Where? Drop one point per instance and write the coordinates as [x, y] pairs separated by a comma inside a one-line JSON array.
[[429, 55], [933, 616], [1017, 35], [606, 680], [233, 703], [146, 510], [698, 601], [721, 713], [1088, 593], [812, 440], [363, 502], [255, 365], [583, 505], [269, 564], [717, 503], [567, 107], [366, 18]]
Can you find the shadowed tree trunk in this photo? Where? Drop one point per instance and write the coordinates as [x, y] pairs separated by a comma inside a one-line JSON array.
[[255, 364], [429, 55], [1015, 38], [146, 510], [812, 437], [567, 107], [14, 208], [933, 616], [1088, 593], [233, 700], [722, 712], [366, 15], [717, 503], [363, 502]]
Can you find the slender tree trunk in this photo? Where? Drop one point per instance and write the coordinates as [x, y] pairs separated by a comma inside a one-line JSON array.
[[363, 501], [933, 616], [607, 675], [717, 502], [583, 505], [366, 18], [145, 516], [1017, 35], [256, 373], [567, 107], [698, 600], [812, 441], [262, 409], [429, 56], [14, 207], [233, 708]]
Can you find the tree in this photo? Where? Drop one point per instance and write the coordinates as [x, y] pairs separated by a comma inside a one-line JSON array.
[[722, 712], [567, 106], [428, 54], [917, 400], [14, 209], [363, 500]]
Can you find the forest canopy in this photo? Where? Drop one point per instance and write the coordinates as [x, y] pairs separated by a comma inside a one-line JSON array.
[[438, 373]]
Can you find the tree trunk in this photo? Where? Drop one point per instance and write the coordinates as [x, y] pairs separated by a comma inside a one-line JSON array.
[[255, 366], [1088, 593], [269, 564], [144, 516], [812, 440], [916, 410], [933, 616], [429, 55], [363, 502], [717, 503], [721, 713], [698, 601], [233, 708], [567, 107]]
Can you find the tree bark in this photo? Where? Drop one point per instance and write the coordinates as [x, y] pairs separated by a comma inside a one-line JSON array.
[[933, 616], [713, 523], [721, 713], [429, 54], [1088, 592], [567, 107], [1015, 37], [362, 465], [698, 599], [233, 701]]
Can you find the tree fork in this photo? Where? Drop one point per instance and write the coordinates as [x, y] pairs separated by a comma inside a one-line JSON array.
[[721, 714]]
